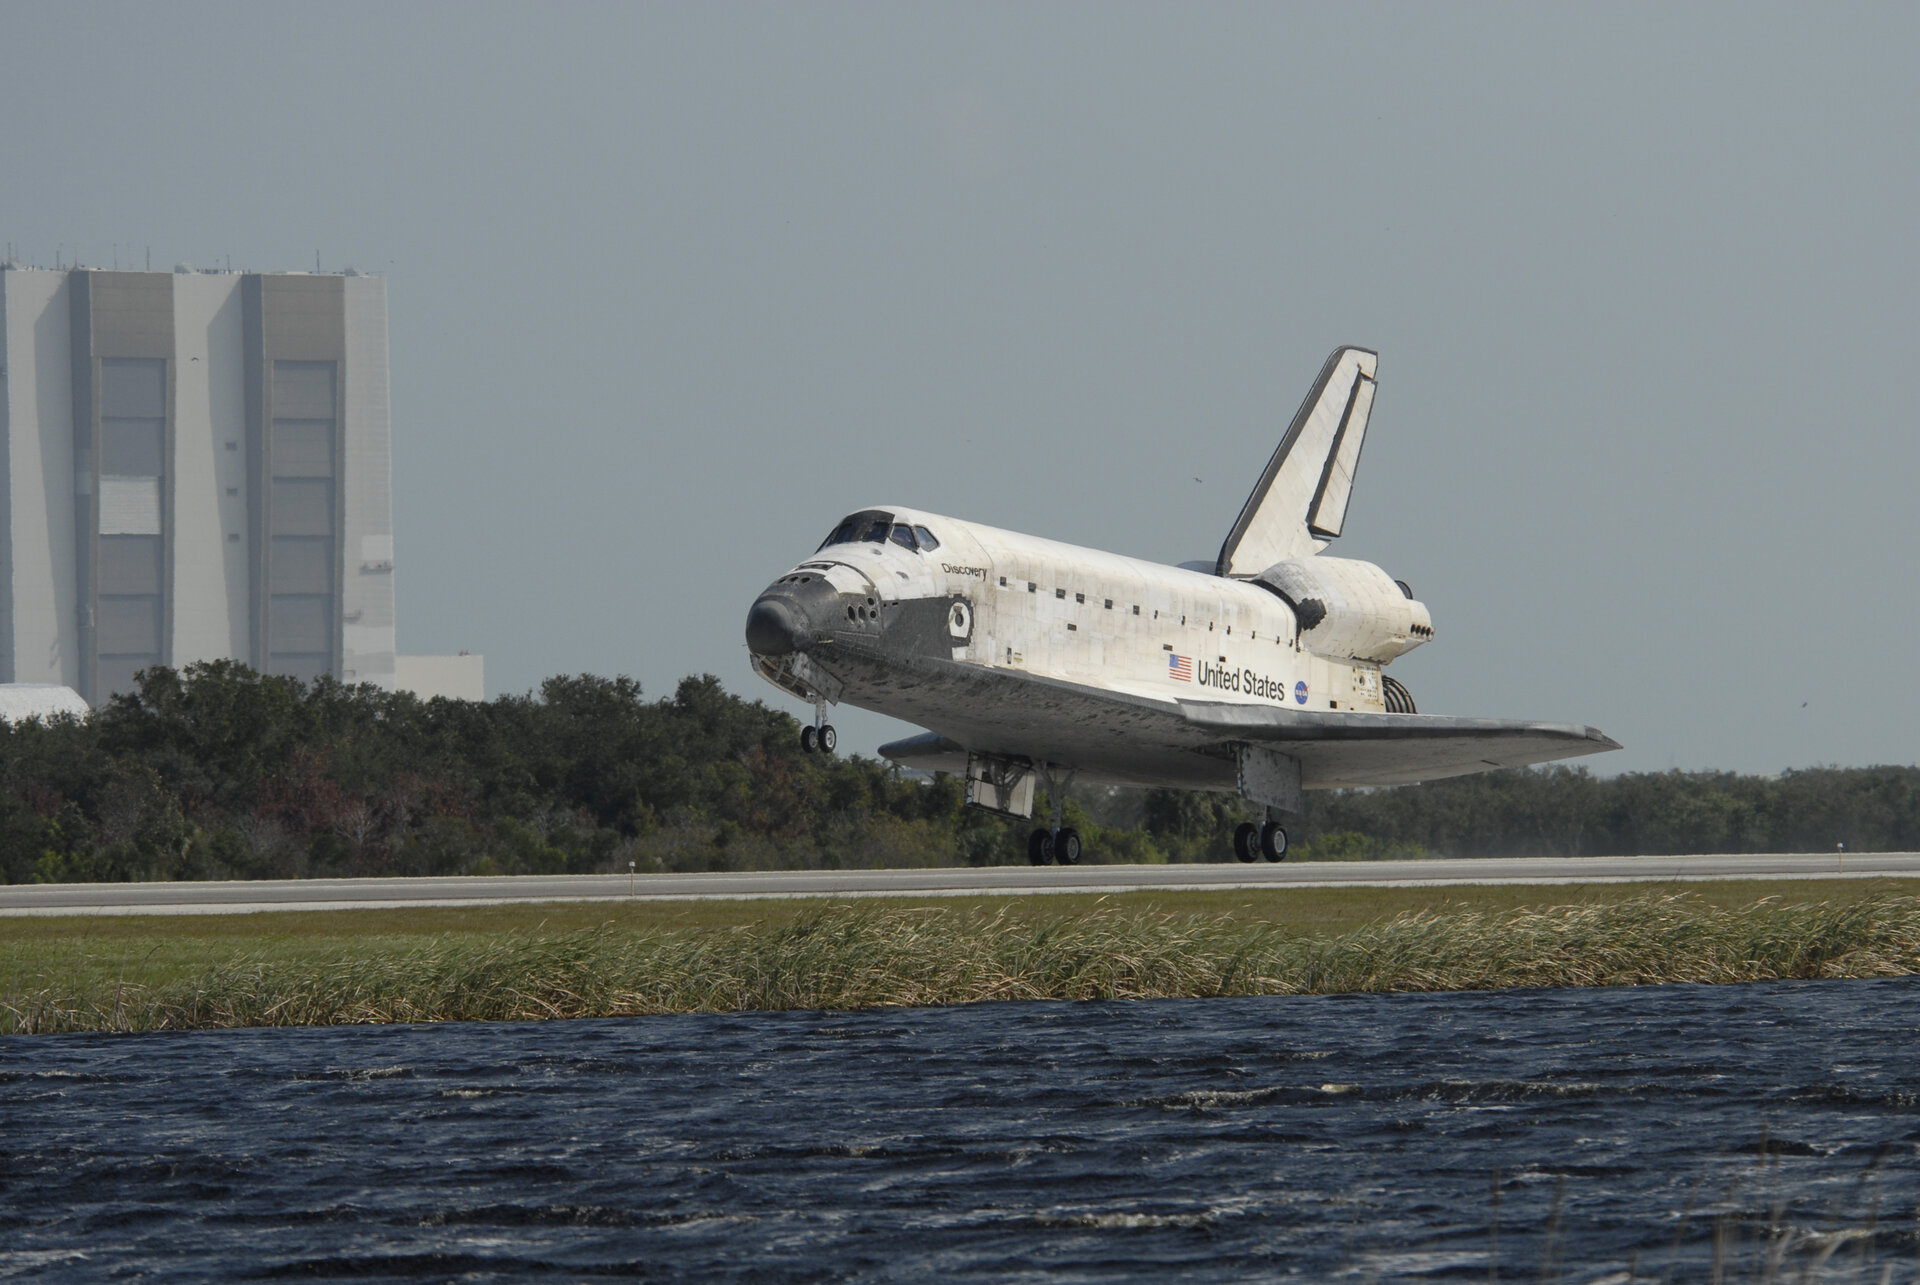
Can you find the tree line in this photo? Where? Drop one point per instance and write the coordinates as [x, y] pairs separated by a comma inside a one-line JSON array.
[[222, 772]]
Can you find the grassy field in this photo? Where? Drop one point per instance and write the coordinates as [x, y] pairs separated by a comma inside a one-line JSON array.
[[566, 960]]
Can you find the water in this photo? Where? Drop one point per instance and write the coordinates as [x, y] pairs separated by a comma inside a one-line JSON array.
[[1341, 1137]]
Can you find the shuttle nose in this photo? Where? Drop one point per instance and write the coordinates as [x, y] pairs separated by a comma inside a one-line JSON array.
[[774, 628]]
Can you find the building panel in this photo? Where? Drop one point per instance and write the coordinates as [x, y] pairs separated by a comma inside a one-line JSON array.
[[122, 323], [295, 427], [302, 506], [130, 564], [366, 479], [303, 566], [117, 674], [130, 626], [304, 390], [302, 447], [129, 506], [211, 587], [133, 447], [302, 623]]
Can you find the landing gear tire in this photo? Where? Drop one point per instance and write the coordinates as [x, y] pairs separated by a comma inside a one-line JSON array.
[[1246, 841], [1273, 842], [828, 738], [1040, 848], [1066, 846], [808, 738]]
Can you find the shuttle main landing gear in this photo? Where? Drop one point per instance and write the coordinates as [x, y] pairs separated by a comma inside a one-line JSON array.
[[1252, 842], [1062, 842], [1044, 847], [821, 735]]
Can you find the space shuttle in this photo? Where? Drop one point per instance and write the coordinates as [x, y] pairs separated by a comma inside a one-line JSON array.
[[1037, 663]]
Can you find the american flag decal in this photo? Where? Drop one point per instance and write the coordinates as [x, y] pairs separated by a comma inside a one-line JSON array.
[[1180, 668]]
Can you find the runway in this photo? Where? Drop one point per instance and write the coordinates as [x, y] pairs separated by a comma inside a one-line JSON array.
[[244, 897]]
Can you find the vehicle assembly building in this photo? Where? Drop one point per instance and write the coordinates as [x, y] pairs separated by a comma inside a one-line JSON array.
[[197, 465]]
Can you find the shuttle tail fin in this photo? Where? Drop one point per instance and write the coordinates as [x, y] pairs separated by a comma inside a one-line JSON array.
[[1301, 500]]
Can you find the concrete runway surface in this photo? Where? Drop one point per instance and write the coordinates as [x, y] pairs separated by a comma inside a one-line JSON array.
[[241, 897]]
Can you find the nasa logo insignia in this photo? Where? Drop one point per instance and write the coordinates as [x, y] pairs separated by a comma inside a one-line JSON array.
[[1300, 691]]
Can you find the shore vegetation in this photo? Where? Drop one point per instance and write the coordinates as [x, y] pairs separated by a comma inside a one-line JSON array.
[[328, 968], [219, 772]]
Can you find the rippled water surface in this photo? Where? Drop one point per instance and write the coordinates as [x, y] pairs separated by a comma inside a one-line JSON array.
[[1571, 1135]]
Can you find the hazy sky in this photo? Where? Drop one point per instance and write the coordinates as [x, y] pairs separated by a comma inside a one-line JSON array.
[[673, 288]]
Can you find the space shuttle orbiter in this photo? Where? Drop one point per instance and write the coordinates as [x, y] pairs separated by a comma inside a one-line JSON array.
[[1036, 661]]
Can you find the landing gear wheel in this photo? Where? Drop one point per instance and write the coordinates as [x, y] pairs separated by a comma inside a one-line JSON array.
[[1040, 848], [1273, 842], [828, 738], [807, 739], [1246, 841], [1066, 846]]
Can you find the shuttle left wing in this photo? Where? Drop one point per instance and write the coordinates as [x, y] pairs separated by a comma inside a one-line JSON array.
[[1352, 749], [1122, 736]]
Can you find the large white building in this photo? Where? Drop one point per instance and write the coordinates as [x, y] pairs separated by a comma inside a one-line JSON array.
[[196, 465]]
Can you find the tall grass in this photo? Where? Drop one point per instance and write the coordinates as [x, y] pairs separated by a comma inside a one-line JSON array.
[[846, 957]]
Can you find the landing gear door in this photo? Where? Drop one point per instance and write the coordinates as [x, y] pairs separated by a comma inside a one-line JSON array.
[[801, 676], [999, 785]]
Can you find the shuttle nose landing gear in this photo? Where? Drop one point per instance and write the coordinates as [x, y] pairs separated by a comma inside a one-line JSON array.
[[821, 735]]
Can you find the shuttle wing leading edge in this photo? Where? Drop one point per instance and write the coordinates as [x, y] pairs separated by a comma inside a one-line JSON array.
[[1301, 500]]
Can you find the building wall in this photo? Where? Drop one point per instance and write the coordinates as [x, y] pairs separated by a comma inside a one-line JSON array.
[[194, 466], [6, 505], [367, 636], [456, 677], [43, 603]]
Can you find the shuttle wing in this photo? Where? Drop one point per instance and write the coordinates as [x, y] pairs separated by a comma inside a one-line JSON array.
[[1300, 502], [1342, 749], [1124, 737]]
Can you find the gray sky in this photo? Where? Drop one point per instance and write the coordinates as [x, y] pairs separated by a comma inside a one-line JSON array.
[[672, 288]]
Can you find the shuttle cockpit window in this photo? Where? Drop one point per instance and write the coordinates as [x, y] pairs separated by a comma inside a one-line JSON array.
[[870, 526], [874, 527]]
